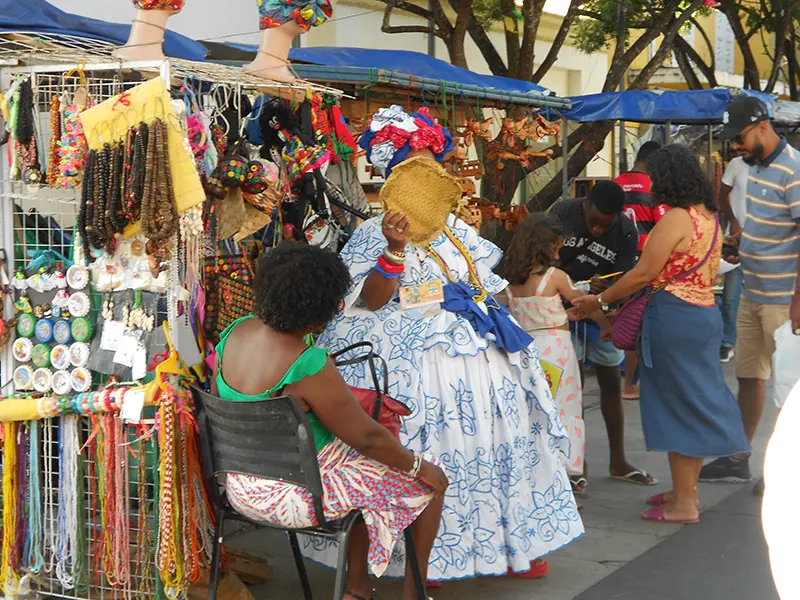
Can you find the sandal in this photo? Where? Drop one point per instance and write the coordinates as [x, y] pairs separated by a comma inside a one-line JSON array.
[[578, 483], [658, 515], [539, 568], [636, 476]]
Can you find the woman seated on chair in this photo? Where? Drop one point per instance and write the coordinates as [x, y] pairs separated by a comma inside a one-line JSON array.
[[298, 289]]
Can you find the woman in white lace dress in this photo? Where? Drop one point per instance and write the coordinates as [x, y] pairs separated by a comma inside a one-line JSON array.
[[479, 398]]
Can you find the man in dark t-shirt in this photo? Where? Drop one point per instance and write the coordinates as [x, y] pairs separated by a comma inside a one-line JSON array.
[[600, 240]]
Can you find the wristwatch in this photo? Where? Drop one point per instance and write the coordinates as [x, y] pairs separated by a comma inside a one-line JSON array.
[[603, 305]]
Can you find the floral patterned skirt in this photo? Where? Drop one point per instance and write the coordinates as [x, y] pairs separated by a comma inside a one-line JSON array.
[[555, 347], [389, 499]]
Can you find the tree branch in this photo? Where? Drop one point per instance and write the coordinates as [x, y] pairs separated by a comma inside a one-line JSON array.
[[751, 76], [666, 45], [532, 14], [558, 42], [681, 45], [512, 36], [692, 81], [484, 44]]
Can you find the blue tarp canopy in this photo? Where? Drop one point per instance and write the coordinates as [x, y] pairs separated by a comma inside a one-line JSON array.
[[412, 63], [675, 106], [38, 16]]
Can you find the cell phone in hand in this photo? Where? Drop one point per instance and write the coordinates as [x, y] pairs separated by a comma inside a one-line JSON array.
[[730, 250]]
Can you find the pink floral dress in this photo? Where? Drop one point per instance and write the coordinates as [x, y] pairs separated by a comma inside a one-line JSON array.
[[544, 317]]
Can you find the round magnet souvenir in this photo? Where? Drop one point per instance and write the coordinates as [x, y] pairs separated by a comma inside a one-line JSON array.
[[26, 324], [23, 378], [44, 331], [79, 304], [77, 277], [62, 383], [59, 357], [22, 349], [62, 333], [81, 380], [82, 329], [42, 380], [41, 355], [79, 355]]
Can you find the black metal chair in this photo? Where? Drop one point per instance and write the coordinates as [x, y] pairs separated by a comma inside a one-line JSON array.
[[271, 439]]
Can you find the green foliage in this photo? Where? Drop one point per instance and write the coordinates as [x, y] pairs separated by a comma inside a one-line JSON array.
[[487, 12], [598, 31]]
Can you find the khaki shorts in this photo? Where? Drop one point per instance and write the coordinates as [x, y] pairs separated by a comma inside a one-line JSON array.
[[755, 331]]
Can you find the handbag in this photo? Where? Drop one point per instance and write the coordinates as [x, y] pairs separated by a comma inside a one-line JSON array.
[[628, 321], [376, 402]]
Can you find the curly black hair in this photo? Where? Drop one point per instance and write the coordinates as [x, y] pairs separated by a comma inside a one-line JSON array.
[[531, 247], [678, 179], [299, 288]]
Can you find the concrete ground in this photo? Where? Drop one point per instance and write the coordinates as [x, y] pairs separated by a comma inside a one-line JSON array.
[[621, 556]]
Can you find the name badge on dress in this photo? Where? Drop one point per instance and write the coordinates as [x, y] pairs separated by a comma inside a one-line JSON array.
[[422, 294]]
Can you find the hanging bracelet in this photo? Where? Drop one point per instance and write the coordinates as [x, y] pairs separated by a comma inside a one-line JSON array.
[[414, 472]]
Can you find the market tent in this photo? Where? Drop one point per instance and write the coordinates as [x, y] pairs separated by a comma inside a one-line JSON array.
[[675, 106], [416, 64], [400, 68], [40, 17]]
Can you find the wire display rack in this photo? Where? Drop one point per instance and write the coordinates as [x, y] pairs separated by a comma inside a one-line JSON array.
[[92, 583]]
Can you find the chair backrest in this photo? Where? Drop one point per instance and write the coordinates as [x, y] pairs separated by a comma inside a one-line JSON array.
[[270, 439]]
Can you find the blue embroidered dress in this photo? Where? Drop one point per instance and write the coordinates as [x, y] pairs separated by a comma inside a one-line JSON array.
[[487, 414]]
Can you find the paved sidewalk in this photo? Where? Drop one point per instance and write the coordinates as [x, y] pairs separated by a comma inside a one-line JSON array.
[[615, 539]]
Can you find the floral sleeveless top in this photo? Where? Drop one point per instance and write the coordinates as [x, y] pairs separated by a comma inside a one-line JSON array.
[[695, 289]]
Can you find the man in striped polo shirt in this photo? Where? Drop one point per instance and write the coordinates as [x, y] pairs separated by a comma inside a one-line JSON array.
[[769, 250]]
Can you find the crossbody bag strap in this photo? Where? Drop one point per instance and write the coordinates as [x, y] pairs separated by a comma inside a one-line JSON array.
[[371, 358]]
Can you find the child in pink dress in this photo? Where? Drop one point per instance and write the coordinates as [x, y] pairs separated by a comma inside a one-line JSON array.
[[536, 294]]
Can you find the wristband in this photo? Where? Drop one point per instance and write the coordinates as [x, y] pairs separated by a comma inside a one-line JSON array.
[[385, 274], [390, 267]]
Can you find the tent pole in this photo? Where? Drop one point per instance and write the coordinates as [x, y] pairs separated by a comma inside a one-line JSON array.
[[669, 132], [710, 166], [564, 158]]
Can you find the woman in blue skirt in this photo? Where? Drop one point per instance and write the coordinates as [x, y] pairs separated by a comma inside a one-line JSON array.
[[687, 409]]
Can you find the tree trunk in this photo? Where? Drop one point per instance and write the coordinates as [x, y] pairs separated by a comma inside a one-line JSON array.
[[594, 136]]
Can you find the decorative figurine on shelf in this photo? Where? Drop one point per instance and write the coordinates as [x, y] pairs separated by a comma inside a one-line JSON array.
[[280, 21]]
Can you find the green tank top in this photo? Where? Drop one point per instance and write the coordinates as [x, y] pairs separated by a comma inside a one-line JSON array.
[[309, 363]]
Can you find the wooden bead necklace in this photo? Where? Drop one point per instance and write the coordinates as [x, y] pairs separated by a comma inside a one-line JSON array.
[[159, 211], [55, 137]]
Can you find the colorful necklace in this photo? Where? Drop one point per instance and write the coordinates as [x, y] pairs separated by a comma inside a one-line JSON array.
[[474, 280]]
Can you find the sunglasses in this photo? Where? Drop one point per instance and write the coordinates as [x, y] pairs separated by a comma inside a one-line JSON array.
[[739, 139]]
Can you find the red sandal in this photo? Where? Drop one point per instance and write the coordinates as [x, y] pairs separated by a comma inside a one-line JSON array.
[[539, 568], [658, 515]]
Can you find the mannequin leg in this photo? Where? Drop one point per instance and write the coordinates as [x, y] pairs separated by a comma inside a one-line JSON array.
[[147, 30], [281, 21]]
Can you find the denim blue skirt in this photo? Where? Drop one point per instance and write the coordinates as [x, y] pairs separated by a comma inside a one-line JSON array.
[[686, 405]]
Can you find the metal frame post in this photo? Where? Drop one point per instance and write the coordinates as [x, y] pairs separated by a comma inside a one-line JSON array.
[[564, 158]]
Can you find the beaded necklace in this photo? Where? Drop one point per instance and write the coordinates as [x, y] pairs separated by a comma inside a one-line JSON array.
[[67, 536], [55, 138], [18, 549], [144, 560], [475, 282], [121, 532], [50, 499], [159, 211], [9, 579], [115, 219], [167, 551], [34, 553], [86, 213]]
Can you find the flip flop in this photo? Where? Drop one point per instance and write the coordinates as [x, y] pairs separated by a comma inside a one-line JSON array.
[[660, 500], [578, 484], [630, 396], [636, 472], [657, 515]]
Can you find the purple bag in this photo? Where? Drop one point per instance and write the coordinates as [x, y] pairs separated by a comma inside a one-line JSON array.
[[628, 322]]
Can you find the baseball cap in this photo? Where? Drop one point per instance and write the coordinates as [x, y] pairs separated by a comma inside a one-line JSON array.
[[741, 113]]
